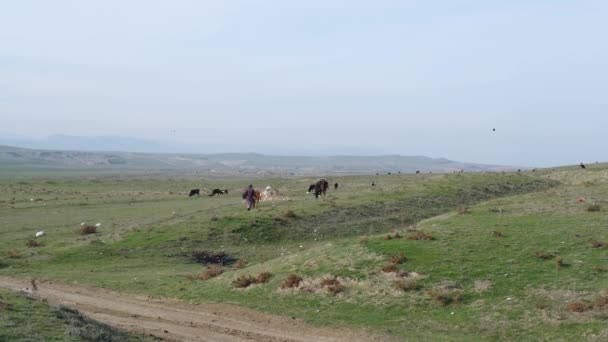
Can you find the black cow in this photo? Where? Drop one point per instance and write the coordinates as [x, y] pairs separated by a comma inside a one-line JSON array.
[[311, 187], [321, 187], [336, 186], [582, 166], [418, 171], [194, 192], [218, 192]]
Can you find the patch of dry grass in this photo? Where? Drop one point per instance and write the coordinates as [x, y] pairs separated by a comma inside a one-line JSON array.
[[543, 255], [496, 233], [212, 271], [594, 207], [446, 297], [248, 280], [13, 253], [598, 244], [398, 258], [290, 214], [390, 267], [408, 284], [240, 263], [420, 235], [482, 285], [579, 306], [263, 278]]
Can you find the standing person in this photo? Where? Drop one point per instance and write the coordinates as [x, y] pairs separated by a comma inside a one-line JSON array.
[[249, 196]]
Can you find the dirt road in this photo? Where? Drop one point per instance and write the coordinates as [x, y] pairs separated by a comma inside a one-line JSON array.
[[177, 321]]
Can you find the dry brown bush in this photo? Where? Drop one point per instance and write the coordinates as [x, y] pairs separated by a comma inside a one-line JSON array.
[[244, 281], [33, 243], [293, 280], [579, 307], [420, 235], [86, 229], [329, 281], [363, 240], [263, 277], [497, 234], [211, 272], [398, 258]]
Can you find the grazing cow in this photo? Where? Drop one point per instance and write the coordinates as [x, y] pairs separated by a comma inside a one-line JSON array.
[[310, 188], [373, 184], [218, 192], [418, 171], [336, 186], [582, 166], [321, 187], [194, 192]]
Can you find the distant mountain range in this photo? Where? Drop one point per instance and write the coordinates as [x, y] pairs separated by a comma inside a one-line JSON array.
[[230, 163]]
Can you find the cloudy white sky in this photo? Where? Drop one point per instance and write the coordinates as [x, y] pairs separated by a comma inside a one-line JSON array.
[[428, 77]]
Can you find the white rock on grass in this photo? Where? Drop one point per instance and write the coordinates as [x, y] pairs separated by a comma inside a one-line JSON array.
[[40, 233]]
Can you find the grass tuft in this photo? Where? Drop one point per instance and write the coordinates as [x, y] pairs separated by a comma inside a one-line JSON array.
[[594, 207], [598, 244], [496, 233], [13, 253], [446, 297], [263, 277], [240, 263], [290, 214], [390, 268]]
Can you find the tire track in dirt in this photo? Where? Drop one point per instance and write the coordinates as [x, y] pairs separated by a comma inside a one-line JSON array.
[[178, 321]]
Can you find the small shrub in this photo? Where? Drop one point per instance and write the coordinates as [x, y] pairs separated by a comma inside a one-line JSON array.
[[398, 258], [406, 284], [463, 210], [364, 240], [559, 262], [329, 281], [389, 268], [579, 307], [33, 243], [594, 207], [543, 255], [86, 229], [599, 269], [388, 237], [240, 263], [420, 235], [332, 284], [247, 280], [290, 214], [263, 277], [293, 280], [497, 234], [598, 244], [211, 272]]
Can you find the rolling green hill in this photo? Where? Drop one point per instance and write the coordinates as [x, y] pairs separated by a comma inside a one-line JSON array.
[[45, 162]]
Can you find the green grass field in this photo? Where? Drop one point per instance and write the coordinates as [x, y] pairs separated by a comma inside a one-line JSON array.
[[479, 277]]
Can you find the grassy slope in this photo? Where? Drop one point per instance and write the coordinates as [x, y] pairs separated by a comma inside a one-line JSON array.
[[142, 247]]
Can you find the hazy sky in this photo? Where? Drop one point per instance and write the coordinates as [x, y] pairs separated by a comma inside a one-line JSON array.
[[424, 77]]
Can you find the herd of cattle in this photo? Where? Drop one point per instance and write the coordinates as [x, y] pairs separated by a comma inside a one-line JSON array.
[[318, 189]]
